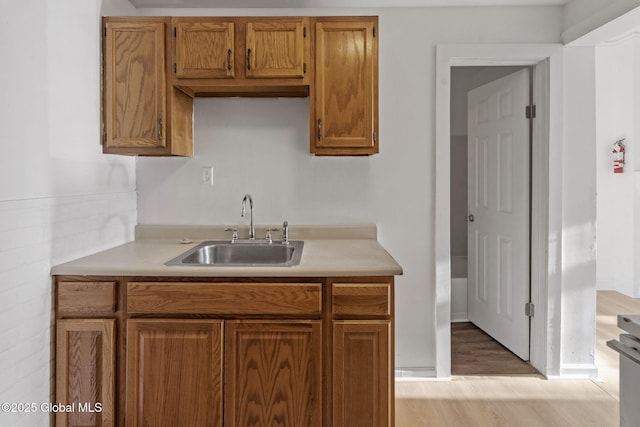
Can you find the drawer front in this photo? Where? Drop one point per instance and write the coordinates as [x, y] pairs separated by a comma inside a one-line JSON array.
[[176, 298], [86, 299], [361, 299]]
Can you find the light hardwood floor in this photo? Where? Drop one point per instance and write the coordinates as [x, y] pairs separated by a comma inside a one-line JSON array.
[[526, 401]]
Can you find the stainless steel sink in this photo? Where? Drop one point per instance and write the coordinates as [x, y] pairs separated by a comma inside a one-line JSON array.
[[241, 253]]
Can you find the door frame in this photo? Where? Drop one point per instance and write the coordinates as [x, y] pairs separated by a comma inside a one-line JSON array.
[[546, 196]]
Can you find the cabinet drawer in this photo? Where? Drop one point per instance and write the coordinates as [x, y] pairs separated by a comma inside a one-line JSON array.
[[86, 299], [224, 298], [362, 299]]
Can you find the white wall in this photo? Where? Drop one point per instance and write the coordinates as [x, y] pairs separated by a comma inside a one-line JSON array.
[[260, 146], [60, 198], [618, 107], [578, 262], [581, 17]]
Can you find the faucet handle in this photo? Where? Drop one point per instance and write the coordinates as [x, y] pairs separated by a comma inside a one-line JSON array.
[[285, 233], [234, 236], [268, 236]]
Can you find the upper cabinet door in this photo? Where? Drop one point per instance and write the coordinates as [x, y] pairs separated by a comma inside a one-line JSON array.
[[134, 67], [204, 50], [346, 87], [275, 49]]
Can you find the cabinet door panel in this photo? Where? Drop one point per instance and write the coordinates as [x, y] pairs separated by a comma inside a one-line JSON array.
[[362, 383], [273, 374], [204, 50], [346, 88], [135, 85], [85, 368], [174, 373], [275, 50]]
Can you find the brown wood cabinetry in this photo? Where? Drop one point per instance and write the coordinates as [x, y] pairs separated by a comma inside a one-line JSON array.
[[142, 112], [344, 98], [241, 56], [174, 372], [227, 352], [86, 353], [154, 66], [273, 373]]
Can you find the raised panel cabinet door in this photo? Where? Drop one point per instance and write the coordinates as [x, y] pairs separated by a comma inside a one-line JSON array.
[[273, 373], [362, 382], [85, 372], [204, 50], [275, 49], [135, 85], [174, 373], [346, 88]]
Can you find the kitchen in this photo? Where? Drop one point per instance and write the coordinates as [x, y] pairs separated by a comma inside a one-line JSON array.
[[66, 200]]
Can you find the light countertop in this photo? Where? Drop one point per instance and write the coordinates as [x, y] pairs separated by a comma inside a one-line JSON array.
[[328, 251]]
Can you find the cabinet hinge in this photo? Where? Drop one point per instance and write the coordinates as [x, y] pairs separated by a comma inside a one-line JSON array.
[[528, 309], [530, 112], [304, 31], [174, 32], [304, 68]]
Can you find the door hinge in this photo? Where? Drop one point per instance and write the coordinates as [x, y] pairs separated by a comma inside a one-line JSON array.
[[528, 309], [530, 111]]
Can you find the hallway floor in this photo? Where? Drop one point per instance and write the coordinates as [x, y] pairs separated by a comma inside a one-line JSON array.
[[523, 400]]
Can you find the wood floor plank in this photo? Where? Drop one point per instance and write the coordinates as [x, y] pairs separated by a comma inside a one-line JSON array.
[[523, 400], [473, 352]]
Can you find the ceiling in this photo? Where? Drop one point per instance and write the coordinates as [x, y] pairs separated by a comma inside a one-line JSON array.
[[295, 4]]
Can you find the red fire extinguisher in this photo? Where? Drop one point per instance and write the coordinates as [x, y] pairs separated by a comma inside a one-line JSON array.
[[618, 156]]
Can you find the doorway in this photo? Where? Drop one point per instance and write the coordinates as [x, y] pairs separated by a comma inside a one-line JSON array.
[[490, 217], [546, 60]]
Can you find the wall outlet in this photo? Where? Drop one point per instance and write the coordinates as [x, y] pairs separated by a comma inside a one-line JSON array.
[[206, 175]]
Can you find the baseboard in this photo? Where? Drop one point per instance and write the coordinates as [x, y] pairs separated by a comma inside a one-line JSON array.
[[578, 370], [459, 317], [415, 373]]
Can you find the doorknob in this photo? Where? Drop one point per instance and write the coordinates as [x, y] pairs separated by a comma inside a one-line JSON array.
[[471, 218]]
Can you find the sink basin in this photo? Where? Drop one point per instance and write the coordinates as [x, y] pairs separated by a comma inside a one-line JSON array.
[[241, 253]]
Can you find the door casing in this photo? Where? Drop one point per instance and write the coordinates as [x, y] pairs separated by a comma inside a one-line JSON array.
[[545, 201]]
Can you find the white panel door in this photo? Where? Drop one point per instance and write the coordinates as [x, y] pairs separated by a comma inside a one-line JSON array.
[[498, 203]]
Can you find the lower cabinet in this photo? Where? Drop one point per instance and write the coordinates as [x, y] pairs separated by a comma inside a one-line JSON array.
[[174, 372], [273, 374], [305, 353], [85, 372], [361, 380]]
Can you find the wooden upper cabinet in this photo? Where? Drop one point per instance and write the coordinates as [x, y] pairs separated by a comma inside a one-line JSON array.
[[204, 49], [135, 92], [142, 113], [275, 49], [241, 56], [344, 99]]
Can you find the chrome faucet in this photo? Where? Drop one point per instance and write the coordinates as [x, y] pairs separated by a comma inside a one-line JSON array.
[[252, 231]]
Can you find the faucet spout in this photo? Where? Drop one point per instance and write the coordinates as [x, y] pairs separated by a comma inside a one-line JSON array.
[[252, 230]]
